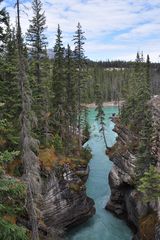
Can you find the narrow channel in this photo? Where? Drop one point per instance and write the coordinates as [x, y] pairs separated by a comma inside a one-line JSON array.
[[103, 226]]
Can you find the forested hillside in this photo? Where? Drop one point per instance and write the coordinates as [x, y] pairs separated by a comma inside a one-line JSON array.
[[41, 108], [135, 177], [43, 124]]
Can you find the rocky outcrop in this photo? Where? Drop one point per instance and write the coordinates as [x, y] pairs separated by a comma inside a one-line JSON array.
[[125, 201], [65, 202], [62, 200]]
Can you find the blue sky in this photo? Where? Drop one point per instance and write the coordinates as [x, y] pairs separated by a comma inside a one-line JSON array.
[[115, 29]]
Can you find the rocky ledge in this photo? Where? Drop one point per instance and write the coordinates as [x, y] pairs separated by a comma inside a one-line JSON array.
[[125, 201], [65, 202]]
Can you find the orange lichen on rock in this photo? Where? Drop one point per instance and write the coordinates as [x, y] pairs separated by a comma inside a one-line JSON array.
[[147, 227], [48, 158]]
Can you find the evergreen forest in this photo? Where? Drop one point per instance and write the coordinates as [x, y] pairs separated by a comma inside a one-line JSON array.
[[44, 117]]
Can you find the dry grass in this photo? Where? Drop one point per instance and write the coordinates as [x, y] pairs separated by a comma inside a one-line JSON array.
[[48, 158], [147, 227], [11, 167], [11, 219]]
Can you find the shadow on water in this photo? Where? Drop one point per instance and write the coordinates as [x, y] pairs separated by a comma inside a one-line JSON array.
[[103, 225]]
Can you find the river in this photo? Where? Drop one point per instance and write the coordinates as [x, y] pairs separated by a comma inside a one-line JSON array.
[[103, 225]]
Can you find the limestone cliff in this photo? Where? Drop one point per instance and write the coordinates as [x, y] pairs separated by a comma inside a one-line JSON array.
[[125, 201], [64, 201]]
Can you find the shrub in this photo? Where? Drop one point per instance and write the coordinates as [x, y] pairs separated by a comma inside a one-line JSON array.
[[57, 143]]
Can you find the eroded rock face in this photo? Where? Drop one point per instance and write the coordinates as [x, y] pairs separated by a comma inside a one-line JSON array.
[[125, 201], [65, 202], [157, 232]]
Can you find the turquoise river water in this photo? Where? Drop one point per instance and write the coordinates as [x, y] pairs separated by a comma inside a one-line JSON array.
[[103, 225]]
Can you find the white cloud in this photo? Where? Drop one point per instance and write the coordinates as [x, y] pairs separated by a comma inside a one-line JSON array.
[[115, 27]]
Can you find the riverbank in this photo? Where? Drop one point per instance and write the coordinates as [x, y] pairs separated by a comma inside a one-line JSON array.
[[106, 104]]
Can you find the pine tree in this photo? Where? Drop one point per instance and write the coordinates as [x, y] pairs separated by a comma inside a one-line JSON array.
[[70, 100], [148, 75], [58, 85], [150, 184], [144, 156], [137, 115], [80, 76], [3, 20], [36, 38], [13, 194], [138, 93], [9, 89], [100, 117], [46, 91], [36, 41], [8, 81]]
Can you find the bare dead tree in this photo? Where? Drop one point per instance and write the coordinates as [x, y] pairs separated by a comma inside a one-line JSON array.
[[28, 144]]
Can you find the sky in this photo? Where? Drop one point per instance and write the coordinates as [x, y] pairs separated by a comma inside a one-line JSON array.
[[114, 29]]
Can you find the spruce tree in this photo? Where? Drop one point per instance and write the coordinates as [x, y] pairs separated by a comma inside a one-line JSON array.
[[150, 184], [79, 41], [3, 20], [36, 41], [13, 193], [70, 100], [136, 113], [9, 84], [58, 85], [144, 156], [36, 38], [100, 117], [148, 75], [138, 93], [9, 89]]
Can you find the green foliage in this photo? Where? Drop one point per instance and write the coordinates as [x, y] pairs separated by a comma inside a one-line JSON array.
[[3, 125], [12, 198], [58, 86], [13, 188], [80, 77], [86, 153], [137, 115], [57, 143], [35, 35], [100, 117], [9, 91], [3, 20], [9, 231], [8, 134], [149, 184], [38, 69], [137, 96], [70, 120], [7, 156], [86, 131]]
